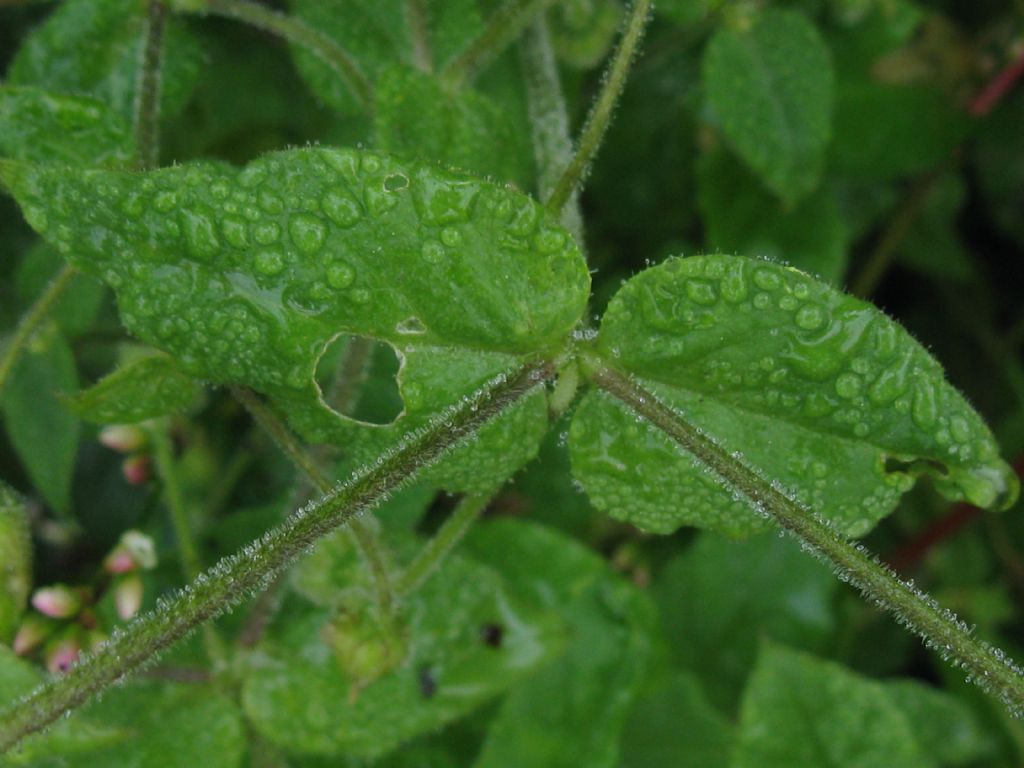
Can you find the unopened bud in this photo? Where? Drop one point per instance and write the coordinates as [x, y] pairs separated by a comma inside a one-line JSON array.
[[123, 438], [63, 651], [57, 602], [134, 550], [137, 469], [128, 596], [32, 631]]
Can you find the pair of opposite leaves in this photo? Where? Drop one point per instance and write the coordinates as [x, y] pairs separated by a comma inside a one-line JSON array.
[[245, 275]]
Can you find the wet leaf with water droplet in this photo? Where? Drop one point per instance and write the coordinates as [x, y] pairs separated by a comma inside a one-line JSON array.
[[143, 389], [818, 390], [259, 311], [591, 689]]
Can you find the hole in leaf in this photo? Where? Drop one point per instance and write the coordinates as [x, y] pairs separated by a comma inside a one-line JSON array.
[[915, 466], [357, 376], [396, 182]]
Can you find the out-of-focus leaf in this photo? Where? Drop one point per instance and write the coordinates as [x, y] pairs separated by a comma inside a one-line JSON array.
[[718, 598], [582, 31], [80, 301], [380, 35], [572, 712], [1000, 163], [43, 127], [741, 216], [817, 389], [933, 245], [92, 48], [144, 389], [297, 696], [770, 86], [15, 561], [246, 275], [945, 727], [42, 429], [800, 712], [673, 723]]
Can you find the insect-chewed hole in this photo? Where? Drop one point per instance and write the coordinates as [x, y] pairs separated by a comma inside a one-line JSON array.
[[358, 378]]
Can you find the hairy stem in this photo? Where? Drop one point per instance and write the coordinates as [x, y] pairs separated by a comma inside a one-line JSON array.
[[419, 28], [549, 120], [614, 82], [298, 32], [430, 557], [289, 445], [31, 321], [938, 627], [503, 27], [250, 569], [147, 89]]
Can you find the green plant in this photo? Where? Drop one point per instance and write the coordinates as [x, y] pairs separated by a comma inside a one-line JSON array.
[[407, 320]]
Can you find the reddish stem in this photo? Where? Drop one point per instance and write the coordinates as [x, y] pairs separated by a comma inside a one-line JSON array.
[[998, 87], [946, 527]]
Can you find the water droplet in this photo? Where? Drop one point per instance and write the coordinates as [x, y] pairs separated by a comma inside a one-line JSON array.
[[924, 410], [766, 279], [340, 275], [701, 292], [266, 232], [451, 236], [252, 176], [370, 164], [268, 263], [549, 241], [307, 232], [810, 317], [377, 200], [236, 232], [762, 301], [341, 208], [165, 201], [960, 429], [360, 296], [433, 252], [200, 235], [270, 202]]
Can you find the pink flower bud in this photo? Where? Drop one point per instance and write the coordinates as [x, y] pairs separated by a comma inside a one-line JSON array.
[[119, 561], [137, 469], [123, 438], [128, 596], [33, 631], [57, 602], [63, 652], [134, 550]]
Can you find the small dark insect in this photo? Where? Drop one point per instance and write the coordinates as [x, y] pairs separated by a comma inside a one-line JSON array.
[[428, 684], [491, 634]]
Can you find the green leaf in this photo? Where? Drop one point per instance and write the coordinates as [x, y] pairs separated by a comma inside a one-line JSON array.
[[298, 697], [799, 712], [741, 216], [43, 431], [818, 390], [419, 118], [15, 562], [933, 244], [582, 31], [379, 35], [946, 728], [770, 86], [42, 127], [144, 389], [246, 275], [92, 48], [674, 724], [766, 585], [886, 131], [572, 712]]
